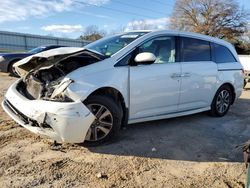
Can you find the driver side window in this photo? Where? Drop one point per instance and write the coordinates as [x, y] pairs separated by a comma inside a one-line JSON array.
[[162, 47]]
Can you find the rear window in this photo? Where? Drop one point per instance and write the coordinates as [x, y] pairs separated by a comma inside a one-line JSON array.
[[195, 50], [222, 54]]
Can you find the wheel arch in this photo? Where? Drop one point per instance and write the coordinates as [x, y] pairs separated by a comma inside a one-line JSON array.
[[117, 96], [231, 88]]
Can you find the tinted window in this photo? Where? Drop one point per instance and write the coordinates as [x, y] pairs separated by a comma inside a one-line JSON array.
[[222, 54], [162, 47], [195, 49]]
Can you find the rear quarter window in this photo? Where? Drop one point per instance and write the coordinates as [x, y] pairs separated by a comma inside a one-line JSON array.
[[222, 54], [195, 50]]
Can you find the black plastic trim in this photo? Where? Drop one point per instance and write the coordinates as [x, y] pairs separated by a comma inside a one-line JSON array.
[[229, 69]]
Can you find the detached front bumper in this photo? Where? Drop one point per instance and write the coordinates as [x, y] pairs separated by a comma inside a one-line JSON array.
[[60, 121]]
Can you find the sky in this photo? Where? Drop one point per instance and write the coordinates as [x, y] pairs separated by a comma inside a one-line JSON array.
[[69, 18]]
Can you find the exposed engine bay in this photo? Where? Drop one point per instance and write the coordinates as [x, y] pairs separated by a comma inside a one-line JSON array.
[[46, 74]]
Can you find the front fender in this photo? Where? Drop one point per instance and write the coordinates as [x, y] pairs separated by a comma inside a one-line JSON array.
[[85, 84]]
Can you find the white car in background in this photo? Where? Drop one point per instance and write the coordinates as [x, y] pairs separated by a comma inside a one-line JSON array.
[[245, 61], [87, 94]]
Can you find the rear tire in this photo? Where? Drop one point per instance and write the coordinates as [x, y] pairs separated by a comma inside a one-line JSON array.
[[108, 120], [222, 101]]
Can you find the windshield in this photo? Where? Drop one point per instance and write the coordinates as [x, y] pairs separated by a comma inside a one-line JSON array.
[[111, 45], [37, 50]]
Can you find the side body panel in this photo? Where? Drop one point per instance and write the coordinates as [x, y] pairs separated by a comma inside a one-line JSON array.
[[231, 73], [154, 89], [86, 80], [198, 85]]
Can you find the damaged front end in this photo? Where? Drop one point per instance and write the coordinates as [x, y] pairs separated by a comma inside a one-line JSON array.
[[44, 78], [38, 102], [62, 122]]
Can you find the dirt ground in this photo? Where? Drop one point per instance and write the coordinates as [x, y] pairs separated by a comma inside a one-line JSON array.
[[192, 151]]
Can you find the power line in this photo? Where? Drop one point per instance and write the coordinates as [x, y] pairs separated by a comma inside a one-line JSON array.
[[115, 10], [135, 6], [160, 2]]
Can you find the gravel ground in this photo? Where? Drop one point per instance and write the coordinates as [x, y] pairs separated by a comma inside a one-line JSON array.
[[192, 151]]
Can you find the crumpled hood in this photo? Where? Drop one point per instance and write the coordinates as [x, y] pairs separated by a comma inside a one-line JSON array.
[[27, 64]]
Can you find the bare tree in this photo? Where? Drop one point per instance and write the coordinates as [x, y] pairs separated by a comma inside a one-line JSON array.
[[219, 18], [92, 33]]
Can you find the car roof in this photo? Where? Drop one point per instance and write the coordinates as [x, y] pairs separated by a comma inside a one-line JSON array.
[[153, 33], [184, 33]]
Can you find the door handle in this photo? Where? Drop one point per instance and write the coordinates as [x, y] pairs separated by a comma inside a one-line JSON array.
[[175, 75], [186, 74]]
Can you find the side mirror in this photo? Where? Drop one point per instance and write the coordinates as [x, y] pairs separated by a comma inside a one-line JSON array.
[[145, 58]]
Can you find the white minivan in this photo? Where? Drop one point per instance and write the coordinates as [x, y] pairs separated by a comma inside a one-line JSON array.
[[87, 94]]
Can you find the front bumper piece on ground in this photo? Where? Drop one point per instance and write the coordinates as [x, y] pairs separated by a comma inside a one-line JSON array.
[[60, 121]]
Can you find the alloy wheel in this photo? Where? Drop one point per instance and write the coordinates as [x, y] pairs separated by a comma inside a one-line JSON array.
[[102, 125], [223, 101]]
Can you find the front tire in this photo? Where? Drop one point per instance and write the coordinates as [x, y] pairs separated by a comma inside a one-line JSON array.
[[222, 101], [108, 119]]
